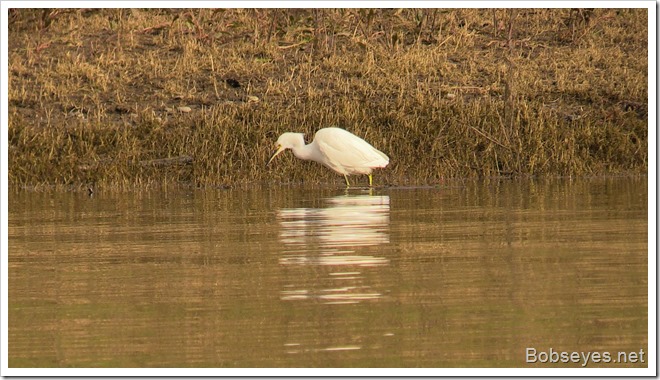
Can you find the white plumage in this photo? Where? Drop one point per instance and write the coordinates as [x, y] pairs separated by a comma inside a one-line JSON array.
[[337, 149]]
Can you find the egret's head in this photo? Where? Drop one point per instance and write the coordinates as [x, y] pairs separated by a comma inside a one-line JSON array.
[[288, 140]]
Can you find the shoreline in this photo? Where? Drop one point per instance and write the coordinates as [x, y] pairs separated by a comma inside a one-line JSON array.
[[134, 97]]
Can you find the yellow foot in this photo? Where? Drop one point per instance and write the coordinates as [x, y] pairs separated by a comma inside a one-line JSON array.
[[347, 184]]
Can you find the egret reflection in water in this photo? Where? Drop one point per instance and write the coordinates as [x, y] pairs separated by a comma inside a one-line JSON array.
[[340, 238], [347, 222]]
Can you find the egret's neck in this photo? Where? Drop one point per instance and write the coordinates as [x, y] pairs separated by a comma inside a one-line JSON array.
[[306, 152]]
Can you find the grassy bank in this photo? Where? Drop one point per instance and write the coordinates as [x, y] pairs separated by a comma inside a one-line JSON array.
[[137, 97]]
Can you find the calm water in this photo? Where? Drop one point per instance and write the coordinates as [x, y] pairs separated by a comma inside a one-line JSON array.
[[462, 275]]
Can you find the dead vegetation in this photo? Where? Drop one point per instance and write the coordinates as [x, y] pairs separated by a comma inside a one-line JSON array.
[[136, 97]]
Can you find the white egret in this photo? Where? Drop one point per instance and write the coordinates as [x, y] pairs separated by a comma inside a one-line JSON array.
[[337, 149]]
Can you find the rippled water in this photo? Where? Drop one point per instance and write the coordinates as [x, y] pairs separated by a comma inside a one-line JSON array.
[[460, 275]]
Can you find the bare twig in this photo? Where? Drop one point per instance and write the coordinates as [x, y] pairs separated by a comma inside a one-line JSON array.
[[490, 138], [508, 84], [167, 161]]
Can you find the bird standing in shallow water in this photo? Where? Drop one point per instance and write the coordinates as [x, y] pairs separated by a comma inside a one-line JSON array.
[[337, 149]]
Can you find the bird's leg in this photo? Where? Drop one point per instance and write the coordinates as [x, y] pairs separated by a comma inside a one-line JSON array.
[[347, 184], [370, 181]]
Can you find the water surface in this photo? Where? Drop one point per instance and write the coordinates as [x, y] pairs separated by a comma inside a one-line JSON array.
[[465, 274]]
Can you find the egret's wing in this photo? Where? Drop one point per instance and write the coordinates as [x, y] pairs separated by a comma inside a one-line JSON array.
[[342, 149]]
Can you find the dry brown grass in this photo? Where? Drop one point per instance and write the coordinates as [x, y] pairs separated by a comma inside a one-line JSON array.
[[94, 94]]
